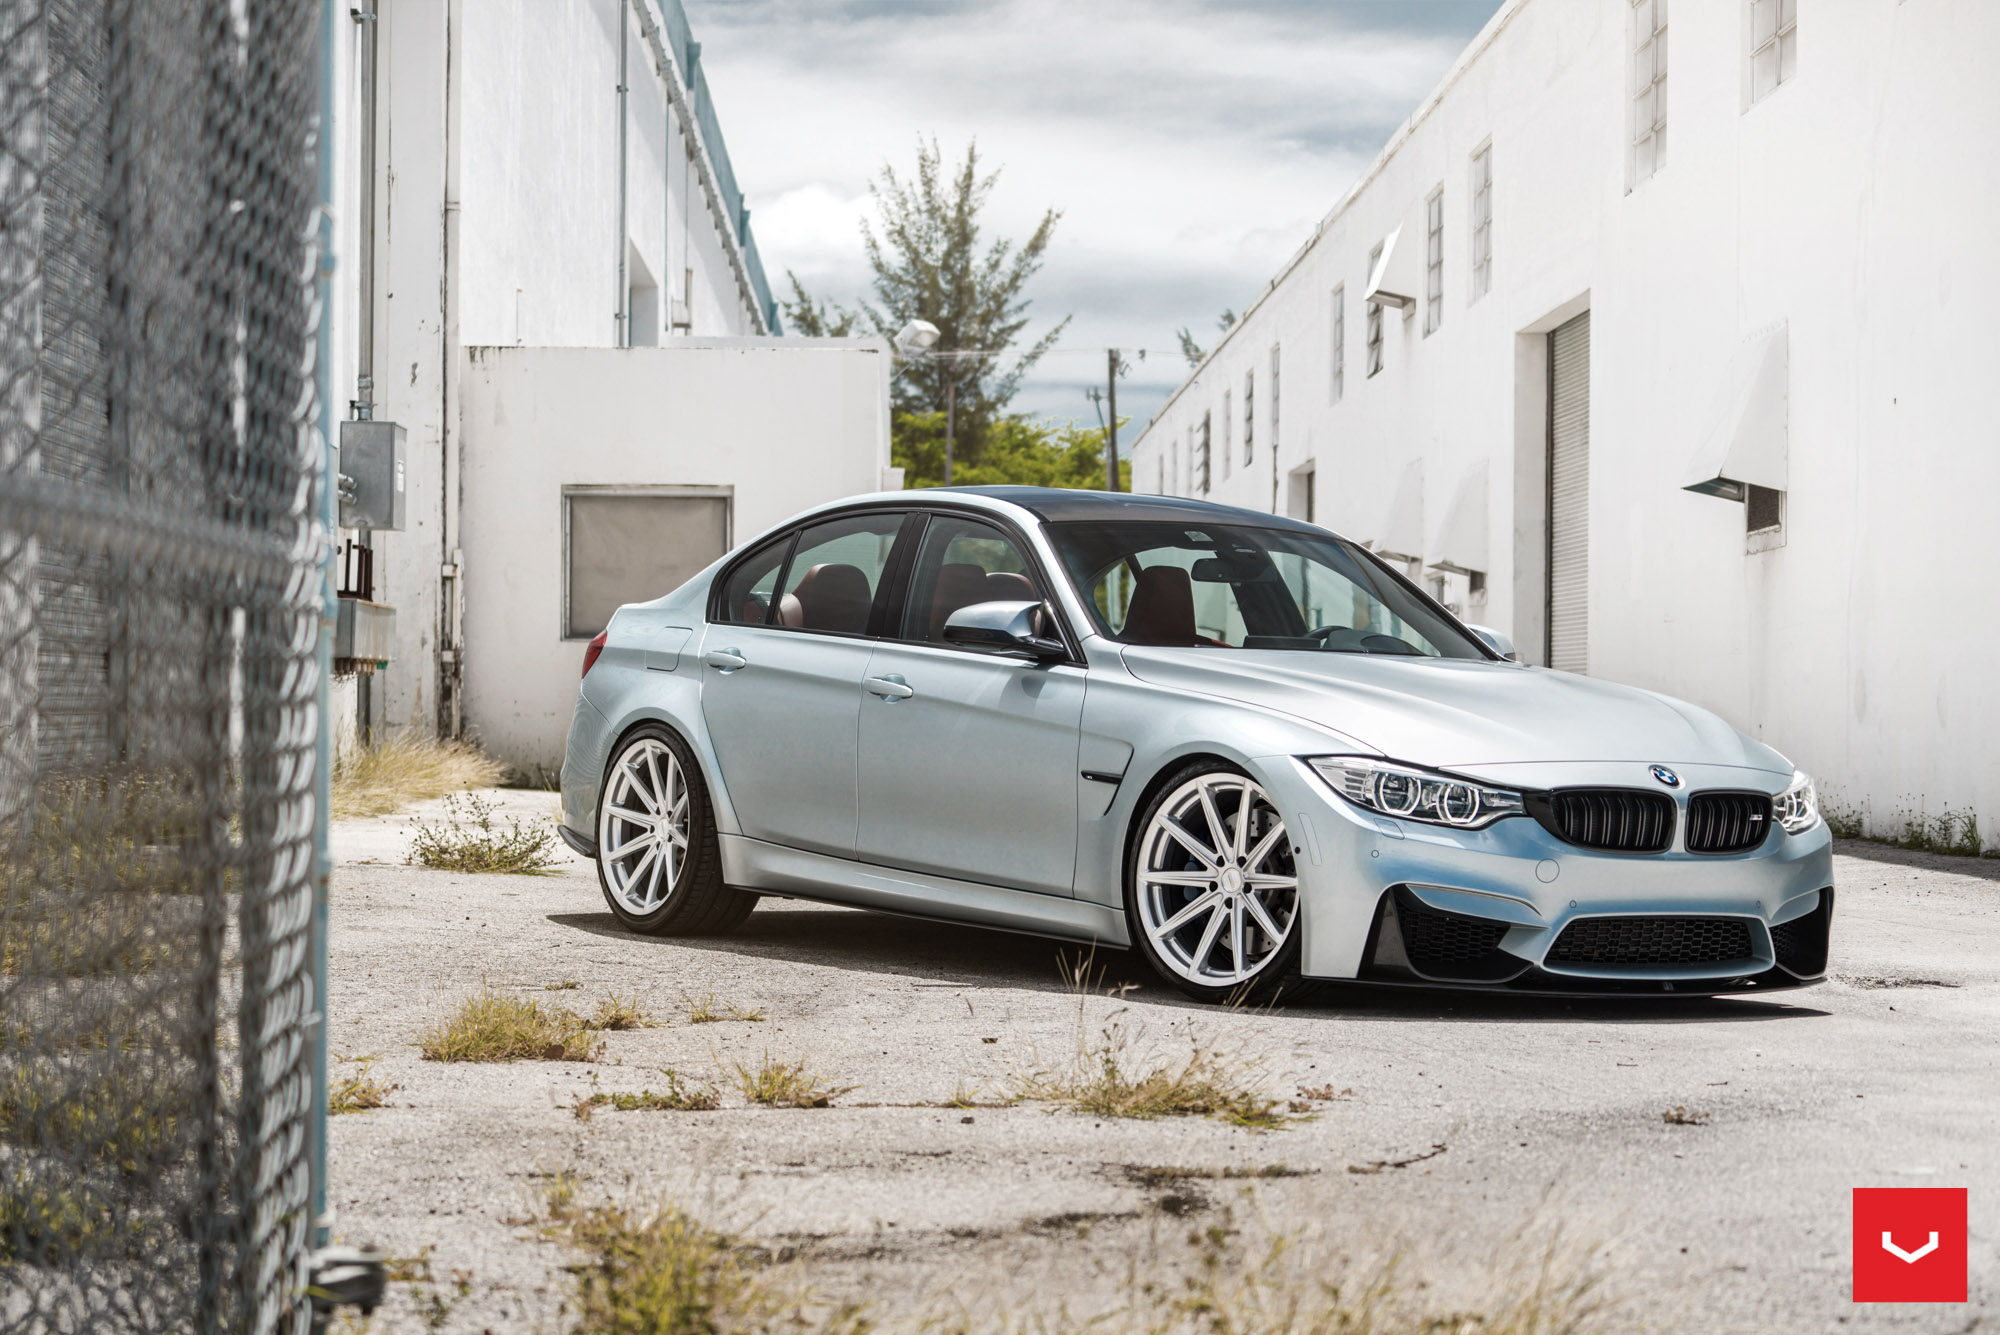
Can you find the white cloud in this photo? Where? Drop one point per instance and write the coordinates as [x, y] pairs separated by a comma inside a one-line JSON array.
[[1191, 146]]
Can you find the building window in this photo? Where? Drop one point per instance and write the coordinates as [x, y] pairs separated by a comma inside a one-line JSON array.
[[1774, 44], [1228, 431], [1338, 377], [1272, 431], [630, 544], [1434, 262], [1482, 222], [1374, 319], [1201, 457], [1249, 415], [1649, 88], [1763, 518]]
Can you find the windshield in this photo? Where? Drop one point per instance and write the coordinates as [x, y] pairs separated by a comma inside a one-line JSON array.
[[1237, 587]]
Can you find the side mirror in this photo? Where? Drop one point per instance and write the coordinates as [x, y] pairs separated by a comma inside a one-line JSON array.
[[1004, 628], [1497, 642]]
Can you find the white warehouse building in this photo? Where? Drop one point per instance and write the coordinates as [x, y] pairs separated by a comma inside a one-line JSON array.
[[546, 279], [1665, 348]]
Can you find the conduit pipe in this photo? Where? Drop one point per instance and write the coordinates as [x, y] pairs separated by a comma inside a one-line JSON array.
[[624, 318]]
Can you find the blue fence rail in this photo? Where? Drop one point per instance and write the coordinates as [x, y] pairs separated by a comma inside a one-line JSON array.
[[687, 54]]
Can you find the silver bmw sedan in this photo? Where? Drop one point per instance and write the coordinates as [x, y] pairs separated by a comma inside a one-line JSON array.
[[1239, 744]]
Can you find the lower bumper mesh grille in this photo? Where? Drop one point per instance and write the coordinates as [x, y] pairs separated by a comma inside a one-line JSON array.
[[1443, 943], [1647, 940]]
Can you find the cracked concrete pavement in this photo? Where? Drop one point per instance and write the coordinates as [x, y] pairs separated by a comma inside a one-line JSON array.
[[1513, 1119]]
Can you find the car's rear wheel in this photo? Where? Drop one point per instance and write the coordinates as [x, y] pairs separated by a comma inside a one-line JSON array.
[[1211, 889], [658, 859]]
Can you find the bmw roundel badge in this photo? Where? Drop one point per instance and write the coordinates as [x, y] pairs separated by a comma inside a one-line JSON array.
[[1666, 776]]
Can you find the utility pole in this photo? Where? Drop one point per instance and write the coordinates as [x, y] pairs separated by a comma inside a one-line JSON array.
[[950, 418], [1111, 427]]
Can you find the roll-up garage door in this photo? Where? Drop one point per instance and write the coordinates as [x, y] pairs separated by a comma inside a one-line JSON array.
[[1569, 496]]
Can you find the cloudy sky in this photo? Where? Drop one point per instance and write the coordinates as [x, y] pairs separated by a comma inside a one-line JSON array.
[[1191, 145]]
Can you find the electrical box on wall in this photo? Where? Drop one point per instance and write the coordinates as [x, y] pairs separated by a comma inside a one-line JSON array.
[[372, 457]]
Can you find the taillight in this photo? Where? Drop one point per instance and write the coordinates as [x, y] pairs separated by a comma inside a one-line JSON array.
[[592, 650]]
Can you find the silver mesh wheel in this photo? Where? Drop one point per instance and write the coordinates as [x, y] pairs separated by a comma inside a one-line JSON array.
[[1217, 889], [642, 826]]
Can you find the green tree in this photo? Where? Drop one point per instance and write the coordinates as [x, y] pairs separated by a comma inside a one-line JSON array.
[[1190, 349], [808, 318], [933, 260], [1015, 451]]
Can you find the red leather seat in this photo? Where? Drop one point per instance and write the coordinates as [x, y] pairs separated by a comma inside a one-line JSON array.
[[1162, 608], [1004, 586], [832, 597]]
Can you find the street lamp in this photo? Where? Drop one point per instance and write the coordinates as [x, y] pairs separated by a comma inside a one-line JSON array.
[[916, 337]]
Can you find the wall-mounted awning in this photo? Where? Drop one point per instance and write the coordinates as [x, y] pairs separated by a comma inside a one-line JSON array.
[[1745, 441], [1398, 275], [1459, 544], [1400, 535]]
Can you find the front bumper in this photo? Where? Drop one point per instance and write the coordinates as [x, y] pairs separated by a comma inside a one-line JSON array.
[[1403, 902]]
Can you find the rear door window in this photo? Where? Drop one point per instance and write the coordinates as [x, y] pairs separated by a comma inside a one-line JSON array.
[[836, 572]]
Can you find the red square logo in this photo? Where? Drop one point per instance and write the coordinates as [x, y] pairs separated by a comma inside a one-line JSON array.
[[1909, 1244]]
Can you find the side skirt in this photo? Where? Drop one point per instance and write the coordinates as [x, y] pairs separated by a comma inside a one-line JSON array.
[[752, 864]]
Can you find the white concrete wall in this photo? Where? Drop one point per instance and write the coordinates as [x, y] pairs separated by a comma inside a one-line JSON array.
[[1851, 203], [785, 424], [497, 223]]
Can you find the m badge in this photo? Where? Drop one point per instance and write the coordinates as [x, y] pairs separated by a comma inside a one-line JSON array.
[[1909, 1244]]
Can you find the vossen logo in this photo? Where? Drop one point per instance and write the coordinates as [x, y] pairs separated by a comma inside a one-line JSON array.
[[1909, 1244]]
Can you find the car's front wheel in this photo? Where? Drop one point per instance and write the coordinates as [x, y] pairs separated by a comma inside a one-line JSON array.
[[1211, 889], [658, 859]]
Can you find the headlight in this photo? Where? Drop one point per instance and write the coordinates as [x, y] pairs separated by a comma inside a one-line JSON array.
[[1798, 805], [1414, 794]]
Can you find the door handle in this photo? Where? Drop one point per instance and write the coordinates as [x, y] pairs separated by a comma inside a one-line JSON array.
[[891, 687], [724, 660]]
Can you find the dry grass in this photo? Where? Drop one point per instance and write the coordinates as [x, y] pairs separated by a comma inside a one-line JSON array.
[[620, 1013], [662, 1272], [566, 985], [677, 1098], [1680, 1116], [778, 1084], [1110, 1079], [469, 839], [391, 774], [359, 1092], [495, 1027], [707, 1010]]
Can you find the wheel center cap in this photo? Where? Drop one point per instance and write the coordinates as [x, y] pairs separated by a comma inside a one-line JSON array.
[[1232, 880]]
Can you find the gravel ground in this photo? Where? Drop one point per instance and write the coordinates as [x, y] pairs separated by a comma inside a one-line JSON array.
[[1541, 1119]]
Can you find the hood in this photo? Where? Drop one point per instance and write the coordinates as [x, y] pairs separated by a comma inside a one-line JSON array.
[[1452, 713]]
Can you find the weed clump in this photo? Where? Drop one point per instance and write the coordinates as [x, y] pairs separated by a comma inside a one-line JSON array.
[[359, 1092], [663, 1272], [620, 1013], [1680, 1116], [1102, 1080], [707, 1010], [778, 1084], [677, 1098], [495, 1027], [470, 840]]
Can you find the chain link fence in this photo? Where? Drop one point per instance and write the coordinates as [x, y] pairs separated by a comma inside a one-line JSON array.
[[160, 586]]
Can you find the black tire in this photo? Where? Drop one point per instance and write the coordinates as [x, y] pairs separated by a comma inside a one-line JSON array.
[[697, 902], [1277, 975]]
